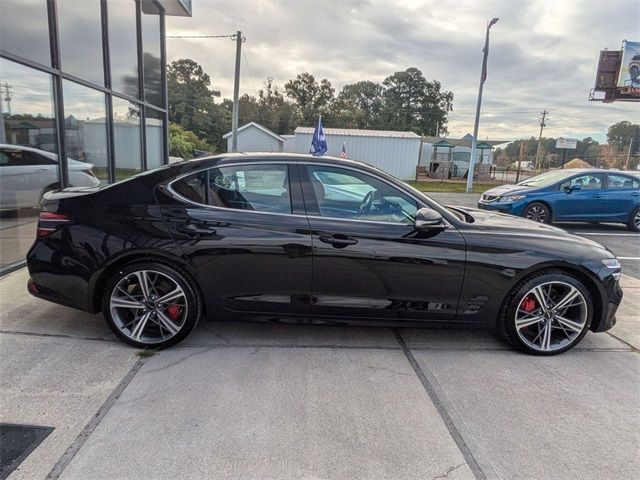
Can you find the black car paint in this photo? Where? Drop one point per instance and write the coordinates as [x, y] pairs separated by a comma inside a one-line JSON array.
[[274, 265]]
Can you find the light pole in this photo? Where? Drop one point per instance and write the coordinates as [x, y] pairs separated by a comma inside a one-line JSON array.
[[483, 77]]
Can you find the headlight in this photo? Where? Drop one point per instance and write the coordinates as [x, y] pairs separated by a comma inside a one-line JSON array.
[[511, 198], [612, 263]]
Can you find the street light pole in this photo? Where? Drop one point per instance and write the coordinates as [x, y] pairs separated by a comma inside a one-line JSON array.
[[483, 77], [236, 92]]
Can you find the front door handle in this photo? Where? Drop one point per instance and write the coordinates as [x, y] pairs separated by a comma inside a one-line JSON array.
[[338, 241], [599, 195]]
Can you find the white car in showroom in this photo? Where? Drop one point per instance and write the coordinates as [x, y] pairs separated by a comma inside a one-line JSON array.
[[26, 173]]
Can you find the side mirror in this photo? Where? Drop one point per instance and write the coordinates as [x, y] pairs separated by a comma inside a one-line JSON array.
[[428, 219], [571, 188]]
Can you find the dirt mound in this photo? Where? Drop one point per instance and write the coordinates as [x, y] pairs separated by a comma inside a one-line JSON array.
[[577, 163]]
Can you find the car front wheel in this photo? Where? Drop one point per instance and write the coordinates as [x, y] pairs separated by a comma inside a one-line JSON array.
[[150, 305], [546, 313], [634, 220], [538, 212]]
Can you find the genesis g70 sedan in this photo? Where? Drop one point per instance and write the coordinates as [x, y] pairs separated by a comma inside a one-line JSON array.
[[273, 236]]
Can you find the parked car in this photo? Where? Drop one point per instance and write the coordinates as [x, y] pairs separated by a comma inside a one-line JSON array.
[[277, 236], [575, 195], [26, 173]]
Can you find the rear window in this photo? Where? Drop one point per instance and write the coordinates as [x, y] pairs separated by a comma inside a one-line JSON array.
[[261, 188]]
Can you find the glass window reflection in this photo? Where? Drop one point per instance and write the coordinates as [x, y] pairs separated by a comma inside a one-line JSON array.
[[123, 40], [80, 34], [127, 138], [28, 159], [151, 53], [24, 29], [85, 125], [155, 144]]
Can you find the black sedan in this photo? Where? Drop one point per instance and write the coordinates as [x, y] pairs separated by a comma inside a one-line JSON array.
[[273, 236]]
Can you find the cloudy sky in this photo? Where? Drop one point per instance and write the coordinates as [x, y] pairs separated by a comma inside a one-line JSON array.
[[543, 52]]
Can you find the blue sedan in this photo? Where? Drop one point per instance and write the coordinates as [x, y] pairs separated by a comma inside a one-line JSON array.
[[575, 195]]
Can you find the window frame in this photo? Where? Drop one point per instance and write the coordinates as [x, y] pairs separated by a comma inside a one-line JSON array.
[[317, 214], [603, 181], [627, 177], [295, 194]]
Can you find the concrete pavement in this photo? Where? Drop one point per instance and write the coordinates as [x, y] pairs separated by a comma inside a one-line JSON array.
[[250, 400]]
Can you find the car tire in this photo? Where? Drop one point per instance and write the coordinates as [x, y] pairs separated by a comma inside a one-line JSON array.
[[134, 309], [524, 322], [633, 223], [538, 212]]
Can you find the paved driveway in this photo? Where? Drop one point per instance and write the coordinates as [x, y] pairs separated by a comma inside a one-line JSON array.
[[271, 401]]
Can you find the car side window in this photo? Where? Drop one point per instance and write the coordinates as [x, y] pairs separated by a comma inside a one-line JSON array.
[[261, 188], [343, 193], [585, 182], [622, 182]]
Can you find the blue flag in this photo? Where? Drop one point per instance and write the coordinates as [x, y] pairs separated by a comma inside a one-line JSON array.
[[319, 142]]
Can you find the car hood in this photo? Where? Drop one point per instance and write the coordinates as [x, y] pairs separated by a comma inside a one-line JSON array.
[[508, 189], [499, 223]]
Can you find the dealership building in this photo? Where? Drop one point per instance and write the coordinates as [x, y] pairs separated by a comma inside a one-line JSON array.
[[80, 81]]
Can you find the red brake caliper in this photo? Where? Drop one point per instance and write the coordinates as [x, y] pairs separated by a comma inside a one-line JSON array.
[[528, 304], [174, 311]]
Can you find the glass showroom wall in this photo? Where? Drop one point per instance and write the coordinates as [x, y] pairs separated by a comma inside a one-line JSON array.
[[82, 102]]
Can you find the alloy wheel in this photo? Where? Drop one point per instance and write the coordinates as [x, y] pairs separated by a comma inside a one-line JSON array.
[[148, 306], [537, 213], [551, 316], [636, 220]]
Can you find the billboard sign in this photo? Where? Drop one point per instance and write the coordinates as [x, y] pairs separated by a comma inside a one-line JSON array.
[[630, 66], [568, 143]]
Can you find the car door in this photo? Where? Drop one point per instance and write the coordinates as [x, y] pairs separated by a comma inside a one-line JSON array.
[[580, 198], [622, 196], [368, 259], [243, 227]]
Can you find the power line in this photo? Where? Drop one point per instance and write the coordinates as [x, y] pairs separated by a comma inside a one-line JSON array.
[[231, 36]]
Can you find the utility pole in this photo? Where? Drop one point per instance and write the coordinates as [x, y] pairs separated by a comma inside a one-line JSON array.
[[520, 160], [542, 125], [7, 95], [236, 93], [626, 165], [483, 77]]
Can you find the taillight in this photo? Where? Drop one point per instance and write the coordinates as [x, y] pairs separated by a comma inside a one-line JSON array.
[[48, 222]]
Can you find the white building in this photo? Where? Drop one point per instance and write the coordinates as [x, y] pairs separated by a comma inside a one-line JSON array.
[[253, 137], [394, 152]]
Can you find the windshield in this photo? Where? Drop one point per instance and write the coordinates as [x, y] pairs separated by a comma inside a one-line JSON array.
[[546, 179]]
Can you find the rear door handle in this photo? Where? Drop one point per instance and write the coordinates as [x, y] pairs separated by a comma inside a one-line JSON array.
[[635, 194], [196, 230], [598, 195], [338, 241]]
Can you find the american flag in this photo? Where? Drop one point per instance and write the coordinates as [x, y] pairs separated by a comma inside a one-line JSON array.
[[343, 153]]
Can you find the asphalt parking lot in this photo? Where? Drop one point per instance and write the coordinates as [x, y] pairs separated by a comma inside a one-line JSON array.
[[274, 401]]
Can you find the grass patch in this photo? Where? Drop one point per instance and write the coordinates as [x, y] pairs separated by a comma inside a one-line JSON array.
[[450, 187]]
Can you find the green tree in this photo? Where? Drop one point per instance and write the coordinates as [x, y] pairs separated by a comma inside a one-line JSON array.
[[620, 134], [358, 105], [182, 142], [413, 103], [310, 97]]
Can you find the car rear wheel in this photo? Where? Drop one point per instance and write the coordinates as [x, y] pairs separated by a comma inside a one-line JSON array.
[[538, 212], [150, 305], [634, 220], [546, 313]]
